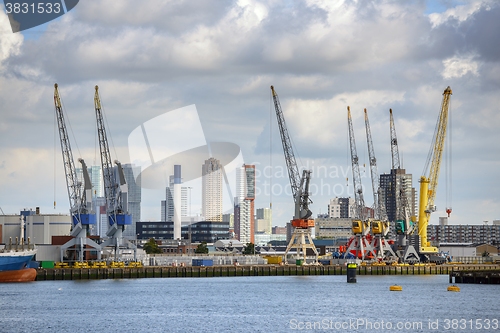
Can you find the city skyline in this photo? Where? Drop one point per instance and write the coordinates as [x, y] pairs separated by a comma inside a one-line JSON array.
[[321, 61]]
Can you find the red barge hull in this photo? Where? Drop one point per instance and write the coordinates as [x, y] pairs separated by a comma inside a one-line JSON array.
[[21, 275]]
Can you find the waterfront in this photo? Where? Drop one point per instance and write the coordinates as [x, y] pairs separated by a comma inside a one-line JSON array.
[[244, 270], [245, 304]]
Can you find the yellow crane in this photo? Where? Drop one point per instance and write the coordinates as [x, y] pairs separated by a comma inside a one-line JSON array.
[[428, 185]]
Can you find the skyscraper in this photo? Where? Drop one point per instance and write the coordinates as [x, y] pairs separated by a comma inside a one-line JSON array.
[[133, 196], [244, 219], [168, 210], [174, 207], [392, 185], [212, 190]]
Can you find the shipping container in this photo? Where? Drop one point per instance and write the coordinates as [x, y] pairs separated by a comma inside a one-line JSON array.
[[203, 262], [299, 262], [47, 264], [274, 259]]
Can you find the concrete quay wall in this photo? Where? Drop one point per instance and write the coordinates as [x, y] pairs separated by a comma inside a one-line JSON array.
[[254, 270]]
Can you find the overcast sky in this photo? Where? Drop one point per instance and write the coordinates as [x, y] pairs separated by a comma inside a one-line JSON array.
[[151, 57]]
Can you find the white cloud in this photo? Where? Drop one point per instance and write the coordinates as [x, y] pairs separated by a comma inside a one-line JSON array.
[[324, 121], [152, 57], [10, 43], [459, 13], [456, 67]]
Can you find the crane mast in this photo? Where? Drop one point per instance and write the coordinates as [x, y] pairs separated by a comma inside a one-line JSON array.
[[112, 191], [298, 184], [428, 185], [402, 204], [81, 212], [356, 177], [378, 205], [301, 237], [394, 144], [75, 195]]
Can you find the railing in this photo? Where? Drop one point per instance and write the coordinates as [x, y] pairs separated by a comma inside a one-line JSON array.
[[17, 246]]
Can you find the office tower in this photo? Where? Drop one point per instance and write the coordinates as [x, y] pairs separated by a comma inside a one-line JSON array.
[[175, 205], [168, 206], [244, 219], [133, 198], [212, 190]]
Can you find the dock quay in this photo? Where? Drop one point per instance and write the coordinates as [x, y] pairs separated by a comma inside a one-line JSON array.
[[481, 276], [45, 274]]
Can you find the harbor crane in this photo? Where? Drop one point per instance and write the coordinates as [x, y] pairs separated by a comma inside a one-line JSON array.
[[428, 184], [81, 212], [361, 225], [405, 222], [380, 225], [118, 217], [302, 222]]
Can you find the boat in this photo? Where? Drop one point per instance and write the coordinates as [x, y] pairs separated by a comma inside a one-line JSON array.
[[14, 264], [12, 260], [15, 258]]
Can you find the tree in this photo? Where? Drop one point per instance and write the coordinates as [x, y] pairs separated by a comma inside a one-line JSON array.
[[151, 247], [202, 248], [249, 249]]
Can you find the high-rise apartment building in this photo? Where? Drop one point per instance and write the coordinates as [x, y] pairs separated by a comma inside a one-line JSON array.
[[392, 185], [244, 219], [342, 208], [212, 190]]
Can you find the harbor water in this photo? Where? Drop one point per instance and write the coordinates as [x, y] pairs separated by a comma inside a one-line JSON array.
[[250, 304]]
